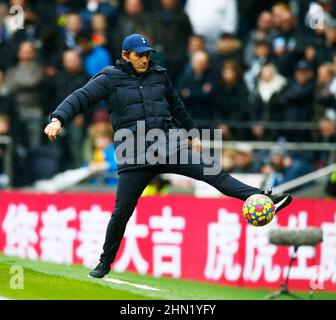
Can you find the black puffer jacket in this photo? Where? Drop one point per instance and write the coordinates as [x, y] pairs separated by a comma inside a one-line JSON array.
[[130, 97]]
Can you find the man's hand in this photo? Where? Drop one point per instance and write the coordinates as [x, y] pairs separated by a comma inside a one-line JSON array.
[[53, 129], [195, 144]]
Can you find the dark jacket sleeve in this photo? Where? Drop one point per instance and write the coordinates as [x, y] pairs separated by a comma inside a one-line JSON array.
[[177, 107], [95, 90]]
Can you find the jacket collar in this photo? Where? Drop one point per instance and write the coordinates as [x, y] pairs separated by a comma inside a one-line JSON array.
[[127, 67]]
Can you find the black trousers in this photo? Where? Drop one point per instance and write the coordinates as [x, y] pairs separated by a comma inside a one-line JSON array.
[[133, 182]]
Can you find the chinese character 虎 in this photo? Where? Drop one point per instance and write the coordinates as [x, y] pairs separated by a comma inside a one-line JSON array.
[[259, 255]]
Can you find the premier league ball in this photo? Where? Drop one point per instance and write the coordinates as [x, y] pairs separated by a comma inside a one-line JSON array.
[[258, 210]]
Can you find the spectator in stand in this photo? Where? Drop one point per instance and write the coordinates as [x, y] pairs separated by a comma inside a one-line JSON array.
[[326, 51], [195, 87], [196, 42], [50, 49], [310, 56], [172, 29], [277, 11], [101, 34], [30, 32], [288, 43], [212, 18], [261, 56], [103, 157], [319, 47], [244, 160], [24, 83], [228, 47], [269, 86], [95, 58], [283, 168], [324, 91], [99, 120], [229, 99], [227, 161], [71, 78], [325, 134], [94, 7], [260, 133], [327, 130], [282, 59], [298, 96], [72, 29], [261, 33], [133, 19]]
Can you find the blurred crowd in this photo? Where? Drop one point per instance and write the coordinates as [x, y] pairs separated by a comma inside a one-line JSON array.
[[232, 62]]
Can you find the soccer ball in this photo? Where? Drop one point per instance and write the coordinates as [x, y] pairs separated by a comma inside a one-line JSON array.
[[258, 210]]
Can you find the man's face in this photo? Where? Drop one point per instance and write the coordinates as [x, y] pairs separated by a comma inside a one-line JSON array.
[[139, 61], [26, 52], [277, 162], [74, 23], [72, 61], [133, 7], [302, 76], [265, 21], [169, 4], [327, 127], [262, 50]]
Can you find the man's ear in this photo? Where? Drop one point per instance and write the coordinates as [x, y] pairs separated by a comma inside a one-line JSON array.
[[124, 55]]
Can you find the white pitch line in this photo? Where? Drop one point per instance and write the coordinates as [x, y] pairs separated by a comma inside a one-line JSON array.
[[4, 298], [140, 286]]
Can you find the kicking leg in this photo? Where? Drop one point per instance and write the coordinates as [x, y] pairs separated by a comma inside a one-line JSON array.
[[222, 181], [225, 183]]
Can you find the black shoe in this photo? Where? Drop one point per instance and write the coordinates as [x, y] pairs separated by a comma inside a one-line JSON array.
[[100, 271], [280, 201]]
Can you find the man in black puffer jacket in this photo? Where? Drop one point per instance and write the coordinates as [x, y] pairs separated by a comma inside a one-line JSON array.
[[137, 90]]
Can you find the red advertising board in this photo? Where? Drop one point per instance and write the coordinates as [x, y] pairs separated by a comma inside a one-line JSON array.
[[175, 236]]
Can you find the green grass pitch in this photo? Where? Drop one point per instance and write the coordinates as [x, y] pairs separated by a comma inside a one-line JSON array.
[[49, 281]]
